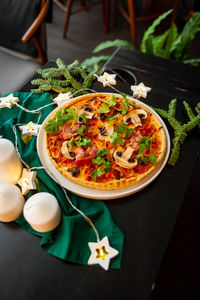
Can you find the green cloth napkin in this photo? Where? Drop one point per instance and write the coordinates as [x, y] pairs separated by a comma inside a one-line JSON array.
[[69, 241]]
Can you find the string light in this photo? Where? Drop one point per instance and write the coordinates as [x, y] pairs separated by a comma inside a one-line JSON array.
[[27, 181], [107, 79], [101, 253], [8, 101], [30, 129], [62, 98], [140, 90]]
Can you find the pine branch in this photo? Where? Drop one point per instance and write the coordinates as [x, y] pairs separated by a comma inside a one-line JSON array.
[[87, 83], [190, 113], [54, 82], [63, 79], [60, 63], [180, 130]]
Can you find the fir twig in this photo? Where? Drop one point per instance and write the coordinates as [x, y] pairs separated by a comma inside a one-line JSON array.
[[63, 79], [180, 130]]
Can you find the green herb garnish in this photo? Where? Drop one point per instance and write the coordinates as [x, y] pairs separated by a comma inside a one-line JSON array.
[[51, 127], [104, 108], [62, 116], [111, 118], [72, 113], [105, 163], [124, 110], [145, 143], [153, 158], [96, 173], [112, 101], [82, 130], [80, 141], [71, 143], [83, 118], [98, 161], [123, 129], [127, 102], [107, 166], [116, 138]]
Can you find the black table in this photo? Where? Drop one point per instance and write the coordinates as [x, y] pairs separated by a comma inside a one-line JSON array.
[[147, 218]]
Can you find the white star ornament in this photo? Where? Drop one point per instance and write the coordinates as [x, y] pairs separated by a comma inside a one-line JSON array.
[[8, 101], [62, 98], [140, 90], [30, 129], [107, 79], [27, 181], [101, 253]]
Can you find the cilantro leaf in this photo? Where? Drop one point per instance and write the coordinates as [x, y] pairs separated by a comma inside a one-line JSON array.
[[129, 131], [144, 143], [142, 159], [82, 129], [107, 166], [102, 152], [98, 161], [124, 110], [116, 138], [80, 141], [112, 101], [96, 173], [104, 108], [127, 102], [110, 118], [83, 118], [72, 113], [121, 128], [51, 127], [71, 143], [62, 116], [153, 158]]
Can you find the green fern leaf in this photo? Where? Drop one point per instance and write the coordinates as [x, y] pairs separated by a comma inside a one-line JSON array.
[[194, 61], [151, 30], [90, 62], [109, 44], [180, 48], [158, 43], [172, 36]]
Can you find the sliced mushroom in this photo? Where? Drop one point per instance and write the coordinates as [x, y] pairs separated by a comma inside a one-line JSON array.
[[124, 159], [65, 151], [86, 111], [135, 116], [105, 132]]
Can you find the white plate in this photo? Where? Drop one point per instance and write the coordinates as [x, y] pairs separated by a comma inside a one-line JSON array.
[[91, 192]]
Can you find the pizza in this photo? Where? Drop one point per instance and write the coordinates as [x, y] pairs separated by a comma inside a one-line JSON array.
[[105, 141]]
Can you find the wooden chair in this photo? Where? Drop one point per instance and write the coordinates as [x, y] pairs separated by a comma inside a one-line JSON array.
[[147, 14], [84, 5], [36, 30], [21, 54]]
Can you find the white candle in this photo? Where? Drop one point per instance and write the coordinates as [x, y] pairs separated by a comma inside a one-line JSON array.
[[10, 164], [11, 202], [42, 212]]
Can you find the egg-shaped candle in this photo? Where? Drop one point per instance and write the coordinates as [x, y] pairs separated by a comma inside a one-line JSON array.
[[11, 202], [42, 212], [10, 164]]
